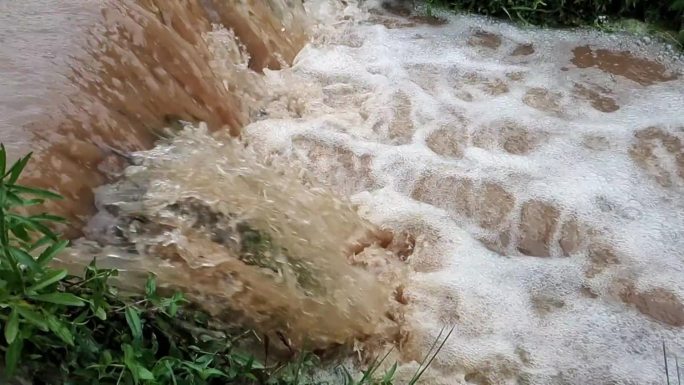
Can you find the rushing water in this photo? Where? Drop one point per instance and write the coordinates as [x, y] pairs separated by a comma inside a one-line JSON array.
[[529, 183], [36, 40], [94, 79]]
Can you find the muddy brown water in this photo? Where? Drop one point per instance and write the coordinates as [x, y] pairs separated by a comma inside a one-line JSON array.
[[88, 85], [83, 82], [484, 136]]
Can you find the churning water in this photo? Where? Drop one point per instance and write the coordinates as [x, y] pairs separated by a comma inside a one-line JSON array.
[[405, 173], [542, 170]]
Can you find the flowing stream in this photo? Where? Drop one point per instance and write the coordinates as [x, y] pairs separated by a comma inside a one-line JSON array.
[[396, 173]]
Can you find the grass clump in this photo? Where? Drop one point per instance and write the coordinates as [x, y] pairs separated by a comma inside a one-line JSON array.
[[660, 15], [64, 329]]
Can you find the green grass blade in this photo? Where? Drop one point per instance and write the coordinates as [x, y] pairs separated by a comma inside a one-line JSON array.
[[48, 254], [48, 279], [34, 191], [35, 225], [429, 352], [66, 299], [12, 356], [433, 356], [151, 286], [12, 326], [667, 371], [60, 329], [134, 323], [3, 159], [17, 168], [19, 231], [370, 372], [32, 317], [25, 259], [170, 372], [429, 362], [48, 218], [41, 242], [389, 375], [3, 199]]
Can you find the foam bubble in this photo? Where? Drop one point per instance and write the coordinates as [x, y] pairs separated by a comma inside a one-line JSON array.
[[546, 188]]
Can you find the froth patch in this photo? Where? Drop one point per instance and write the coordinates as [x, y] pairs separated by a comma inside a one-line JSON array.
[[542, 231], [661, 154]]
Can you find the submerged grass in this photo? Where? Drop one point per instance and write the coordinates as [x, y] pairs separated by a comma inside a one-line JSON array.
[[64, 329]]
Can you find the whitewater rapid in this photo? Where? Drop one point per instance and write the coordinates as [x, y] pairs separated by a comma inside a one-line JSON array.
[[542, 172]]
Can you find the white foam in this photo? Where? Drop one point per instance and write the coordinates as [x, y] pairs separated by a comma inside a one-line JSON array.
[[519, 319]]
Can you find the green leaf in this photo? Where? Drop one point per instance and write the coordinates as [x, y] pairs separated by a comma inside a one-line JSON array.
[[67, 299], [48, 218], [170, 373], [3, 159], [258, 365], [44, 229], [106, 357], [35, 192], [172, 304], [35, 225], [81, 318], [133, 320], [143, 373], [12, 356], [25, 259], [3, 201], [41, 242], [151, 286], [60, 329], [100, 313], [173, 309], [130, 361], [12, 326], [17, 168], [32, 317], [248, 376], [48, 279], [389, 375], [16, 200], [49, 253], [192, 366], [20, 232], [212, 372]]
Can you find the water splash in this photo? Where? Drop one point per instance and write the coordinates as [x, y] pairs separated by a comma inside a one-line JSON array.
[[544, 175], [248, 242], [142, 66], [541, 170]]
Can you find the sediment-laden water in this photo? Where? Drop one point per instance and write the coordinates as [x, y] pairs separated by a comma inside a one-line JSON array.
[[524, 185]]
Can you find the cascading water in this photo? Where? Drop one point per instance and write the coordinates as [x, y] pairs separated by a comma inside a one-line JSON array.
[[533, 180], [105, 77], [249, 243], [543, 168]]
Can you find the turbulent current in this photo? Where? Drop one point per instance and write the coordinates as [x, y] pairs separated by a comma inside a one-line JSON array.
[[399, 174]]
